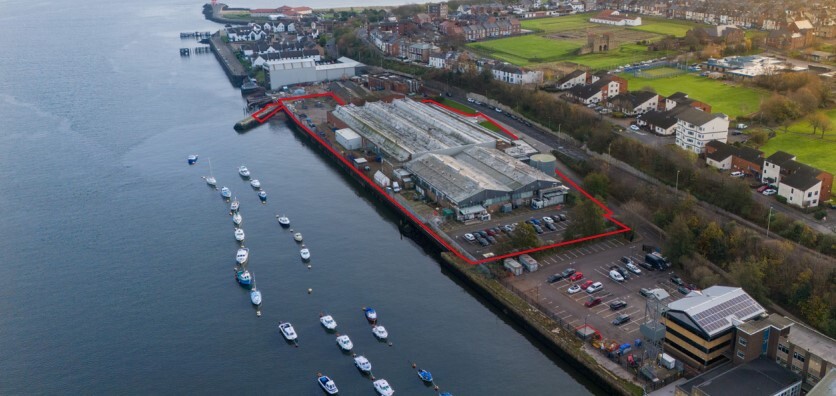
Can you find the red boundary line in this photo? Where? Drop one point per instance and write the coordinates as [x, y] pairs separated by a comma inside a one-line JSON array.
[[273, 108]]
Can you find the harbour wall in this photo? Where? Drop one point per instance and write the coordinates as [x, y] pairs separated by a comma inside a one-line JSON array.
[[229, 62]]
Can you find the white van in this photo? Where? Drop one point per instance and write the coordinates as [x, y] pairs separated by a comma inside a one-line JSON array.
[[396, 187]]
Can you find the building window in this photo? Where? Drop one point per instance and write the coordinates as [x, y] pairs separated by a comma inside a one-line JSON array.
[[741, 341], [740, 354], [798, 357], [783, 348], [810, 194]]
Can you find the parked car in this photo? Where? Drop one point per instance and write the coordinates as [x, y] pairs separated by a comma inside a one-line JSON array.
[[769, 191], [614, 275], [626, 260], [538, 229], [617, 304], [491, 239], [528, 124], [483, 241], [634, 127], [469, 237], [684, 290], [535, 221], [594, 287], [763, 188], [498, 110], [624, 274], [677, 280], [586, 284], [646, 265], [470, 100], [554, 278], [562, 217], [574, 289], [551, 227], [548, 219], [556, 218], [490, 232], [568, 272], [737, 174], [620, 320], [593, 302], [632, 268], [482, 234], [576, 276], [645, 292]]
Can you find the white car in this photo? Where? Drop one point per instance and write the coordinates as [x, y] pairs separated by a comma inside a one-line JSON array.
[[614, 275], [634, 127], [574, 289], [469, 237], [548, 219], [594, 287], [770, 191], [470, 100], [737, 174], [632, 268]]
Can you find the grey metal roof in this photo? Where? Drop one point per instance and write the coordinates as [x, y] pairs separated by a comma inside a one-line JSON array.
[[696, 117], [761, 376], [717, 308], [452, 178]]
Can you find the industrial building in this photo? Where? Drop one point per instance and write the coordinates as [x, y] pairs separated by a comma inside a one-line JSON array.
[[283, 72], [451, 159], [700, 327], [761, 376]]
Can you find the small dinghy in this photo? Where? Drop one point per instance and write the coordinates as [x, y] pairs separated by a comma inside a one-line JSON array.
[[192, 159], [297, 237], [287, 331], [262, 195], [237, 219], [234, 205], [371, 314], [283, 220], [363, 364], [242, 256], [425, 375], [305, 253], [380, 332], [255, 183], [239, 235], [344, 342], [328, 322]]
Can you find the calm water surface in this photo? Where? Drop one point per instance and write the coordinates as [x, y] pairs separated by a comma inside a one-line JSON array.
[[116, 259]]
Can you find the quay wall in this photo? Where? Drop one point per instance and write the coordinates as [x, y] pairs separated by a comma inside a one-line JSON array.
[[232, 67]]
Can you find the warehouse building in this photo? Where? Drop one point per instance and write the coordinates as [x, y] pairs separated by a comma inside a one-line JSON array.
[[758, 377], [700, 328], [284, 72]]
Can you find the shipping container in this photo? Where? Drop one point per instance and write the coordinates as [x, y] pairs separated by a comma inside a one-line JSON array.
[[529, 263], [513, 266]]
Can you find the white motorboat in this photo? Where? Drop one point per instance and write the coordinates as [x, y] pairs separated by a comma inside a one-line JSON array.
[[192, 159], [243, 171], [255, 183], [234, 205], [242, 256], [327, 384], [305, 253], [283, 220], [363, 364], [297, 237], [287, 331], [328, 322], [210, 180], [226, 193], [380, 332], [382, 387], [344, 342], [239, 235], [236, 218], [255, 294]]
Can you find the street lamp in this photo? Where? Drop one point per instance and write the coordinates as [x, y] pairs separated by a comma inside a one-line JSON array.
[[677, 180], [768, 221]]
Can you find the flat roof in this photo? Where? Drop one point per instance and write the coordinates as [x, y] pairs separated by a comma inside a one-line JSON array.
[[773, 320], [813, 341], [761, 376], [825, 387]]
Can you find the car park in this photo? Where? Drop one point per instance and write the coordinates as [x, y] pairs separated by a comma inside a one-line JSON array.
[[614, 275], [469, 237], [597, 286], [645, 292], [587, 284], [737, 174], [632, 268], [617, 304], [769, 191], [576, 276], [593, 302], [551, 227], [574, 289], [621, 319]]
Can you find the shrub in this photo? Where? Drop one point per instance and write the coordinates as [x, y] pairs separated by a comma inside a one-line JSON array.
[[781, 199]]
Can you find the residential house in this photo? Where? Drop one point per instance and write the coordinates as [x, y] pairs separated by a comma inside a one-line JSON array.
[[515, 75], [729, 34], [727, 157], [632, 103], [420, 52], [695, 128], [820, 56], [577, 77], [681, 100], [616, 18], [437, 11], [802, 185], [659, 122], [600, 90]]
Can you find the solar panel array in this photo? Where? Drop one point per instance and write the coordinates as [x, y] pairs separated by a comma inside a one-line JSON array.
[[714, 318]]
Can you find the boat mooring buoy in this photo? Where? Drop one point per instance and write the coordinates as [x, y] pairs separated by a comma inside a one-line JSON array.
[[436, 387], [309, 266], [258, 313], [310, 290], [390, 343]]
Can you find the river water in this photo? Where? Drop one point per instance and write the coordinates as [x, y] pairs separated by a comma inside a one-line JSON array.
[[116, 258]]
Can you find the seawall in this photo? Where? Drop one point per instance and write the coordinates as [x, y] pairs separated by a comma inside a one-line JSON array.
[[232, 67]]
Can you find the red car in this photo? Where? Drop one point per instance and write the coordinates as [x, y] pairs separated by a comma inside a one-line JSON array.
[[762, 188], [576, 277], [586, 284], [593, 302]]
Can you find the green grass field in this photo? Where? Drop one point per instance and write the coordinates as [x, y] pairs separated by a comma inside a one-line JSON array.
[[661, 71], [626, 53], [665, 27], [524, 50], [810, 149], [728, 99], [489, 125], [457, 105], [558, 24]]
